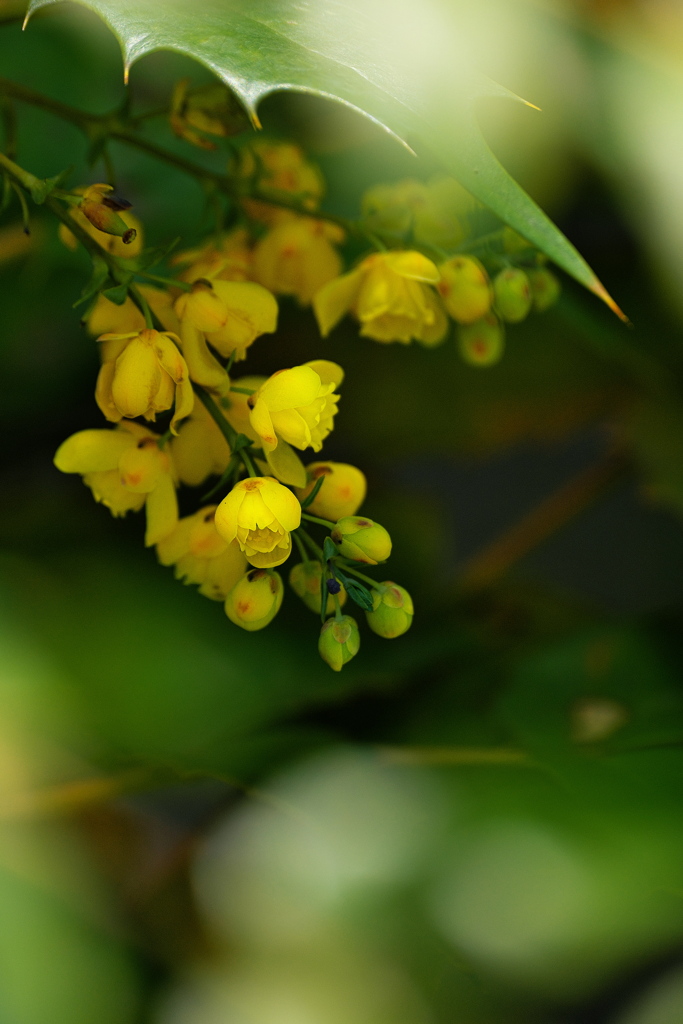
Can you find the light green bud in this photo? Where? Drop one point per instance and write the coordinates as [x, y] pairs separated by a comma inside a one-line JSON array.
[[512, 295], [465, 289], [545, 289], [392, 611], [483, 342], [339, 641], [255, 599], [362, 540], [304, 579]]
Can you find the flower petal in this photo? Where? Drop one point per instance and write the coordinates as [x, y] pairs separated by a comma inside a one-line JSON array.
[[162, 511], [286, 465], [335, 299], [91, 451]]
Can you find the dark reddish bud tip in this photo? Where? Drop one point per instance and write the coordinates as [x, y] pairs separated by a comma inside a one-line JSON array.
[[129, 236], [115, 202]]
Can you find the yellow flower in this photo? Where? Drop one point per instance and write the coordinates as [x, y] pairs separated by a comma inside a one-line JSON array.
[[297, 405], [339, 641], [304, 579], [279, 167], [229, 260], [207, 110], [125, 469], [236, 408], [260, 513], [112, 243], [255, 600], [229, 315], [143, 374], [106, 317], [390, 294], [200, 555], [199, 450], [342, 493], [297, 258], [392, 611]]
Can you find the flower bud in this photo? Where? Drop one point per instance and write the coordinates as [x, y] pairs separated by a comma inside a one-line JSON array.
[[482, 343], [362, 540], [342, 492], [545, 289], [339, 641], [255, 600], [101, 206], [304, 580], [392, 611], [512, 295], [465, 289], [202, 308]]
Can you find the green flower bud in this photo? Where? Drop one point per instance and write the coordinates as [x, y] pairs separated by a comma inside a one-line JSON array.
[[362, 540], [339, 641], [465, 289], [392, 611], [483, 342], [255, 599], [545, 289], [512, 295], [304, 580]]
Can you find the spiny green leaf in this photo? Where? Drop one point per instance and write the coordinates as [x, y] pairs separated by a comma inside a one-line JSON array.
[[403, 66]]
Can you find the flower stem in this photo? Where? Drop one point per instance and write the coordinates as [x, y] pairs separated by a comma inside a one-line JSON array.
[[312, 545], [361, 576], [168, 282], [243, 391], [302, 549], [226, 429], [141, 301], [321, 522]]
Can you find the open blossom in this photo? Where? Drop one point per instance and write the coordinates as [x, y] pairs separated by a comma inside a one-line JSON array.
[[391, 294], [260, 513], [143, 373], [229, 315], [126, 470], [297, 258], [200, 555], [297, 405]]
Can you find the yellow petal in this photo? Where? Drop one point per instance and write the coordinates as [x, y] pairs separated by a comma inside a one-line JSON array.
[[91, 451], [142, 466], [282, 503], [184, 403], [268, 559], [286, 465], [290, 389], [136, 379], [261, 422], [412, 265], [291, 426], [162, 511], [335, 299], [251, 302], [103, 395], [176, 544], [203, 368], [329, 372]]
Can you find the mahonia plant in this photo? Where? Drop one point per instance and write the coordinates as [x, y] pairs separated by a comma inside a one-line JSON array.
[[169, 347]]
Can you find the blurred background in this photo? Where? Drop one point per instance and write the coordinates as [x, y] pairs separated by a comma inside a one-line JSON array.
[[478, 823]]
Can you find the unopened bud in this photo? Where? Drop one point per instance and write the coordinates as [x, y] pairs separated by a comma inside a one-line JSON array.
[[362, 540], [339, 641], [255, 600], [545, 289], [202, 308], [512, 295], [305, 579], [101, 206], [392, 611], [465, 289], [342, 493], [482, 343]]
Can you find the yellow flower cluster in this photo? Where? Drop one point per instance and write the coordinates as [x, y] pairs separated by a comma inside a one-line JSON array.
[[168, 347]]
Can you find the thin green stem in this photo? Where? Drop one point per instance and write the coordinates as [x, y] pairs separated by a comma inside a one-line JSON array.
[[337, 607], [243, 391], [361, 576], [302, 549], [317, 551], [321, 522], [24, 208], [168, 282], [18, 174], [246, 459], [226, 429], [141, 301]]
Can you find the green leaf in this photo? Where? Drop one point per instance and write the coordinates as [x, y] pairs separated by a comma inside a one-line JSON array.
[[100, 273], [356, 591], [118, 294], [149, 258], [310, 498], [406, 72]]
